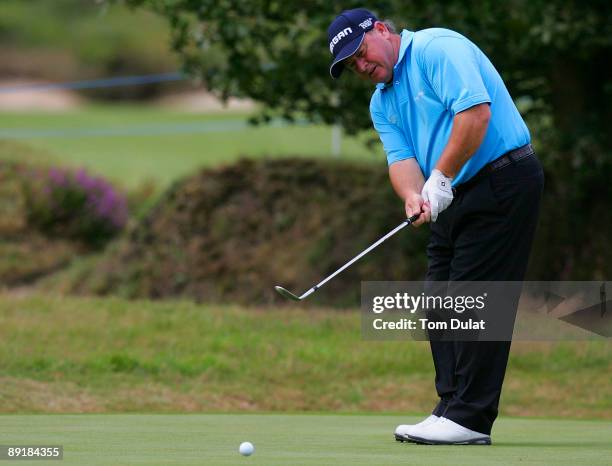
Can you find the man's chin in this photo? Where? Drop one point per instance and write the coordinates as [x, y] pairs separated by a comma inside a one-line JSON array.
[[379, 78]]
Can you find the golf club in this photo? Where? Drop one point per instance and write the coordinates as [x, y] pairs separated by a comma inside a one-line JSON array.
[[289, 295]]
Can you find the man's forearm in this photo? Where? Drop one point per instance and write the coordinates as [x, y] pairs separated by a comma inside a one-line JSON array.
[[469, 129], [406, 178]]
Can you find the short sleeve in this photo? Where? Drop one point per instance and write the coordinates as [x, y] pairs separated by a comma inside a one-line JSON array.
[[393, 139], [451, 67]]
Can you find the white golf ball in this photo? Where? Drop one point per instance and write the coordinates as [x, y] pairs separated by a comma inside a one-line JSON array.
[[246, 449]]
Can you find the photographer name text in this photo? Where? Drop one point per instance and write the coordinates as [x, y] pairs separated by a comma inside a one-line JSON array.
[[427, 324]]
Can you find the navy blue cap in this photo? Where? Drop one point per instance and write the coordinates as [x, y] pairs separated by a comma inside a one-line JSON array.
[[346, 34]]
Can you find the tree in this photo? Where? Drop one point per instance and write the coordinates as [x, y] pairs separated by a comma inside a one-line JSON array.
[[554, 56]]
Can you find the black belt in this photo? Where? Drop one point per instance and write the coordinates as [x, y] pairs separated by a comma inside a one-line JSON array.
[[501, 162]]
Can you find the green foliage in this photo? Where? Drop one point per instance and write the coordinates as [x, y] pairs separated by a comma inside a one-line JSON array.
[[276, 52]]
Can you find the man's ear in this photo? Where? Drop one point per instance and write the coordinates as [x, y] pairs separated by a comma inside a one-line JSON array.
[[381, 28]]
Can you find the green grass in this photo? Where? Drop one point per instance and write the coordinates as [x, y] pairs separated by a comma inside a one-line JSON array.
[[132, 159], [74, 355], [298, 440]]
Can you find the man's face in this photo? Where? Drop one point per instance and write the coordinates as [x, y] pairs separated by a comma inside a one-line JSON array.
[[375, 58]]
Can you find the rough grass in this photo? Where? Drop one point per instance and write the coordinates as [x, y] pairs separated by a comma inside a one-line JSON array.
[[109, 355]]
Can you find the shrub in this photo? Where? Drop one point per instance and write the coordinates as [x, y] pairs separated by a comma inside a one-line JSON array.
[[74, 205], [231, 233]]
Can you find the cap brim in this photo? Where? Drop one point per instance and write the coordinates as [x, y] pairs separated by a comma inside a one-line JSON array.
[[336, 68]]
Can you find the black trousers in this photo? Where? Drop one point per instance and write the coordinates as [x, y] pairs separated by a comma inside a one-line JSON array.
[[484, 235]]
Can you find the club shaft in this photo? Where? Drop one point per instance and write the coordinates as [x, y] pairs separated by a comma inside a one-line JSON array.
[[405, 223]]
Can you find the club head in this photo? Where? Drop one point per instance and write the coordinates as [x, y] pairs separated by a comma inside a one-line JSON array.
[[286, 293]]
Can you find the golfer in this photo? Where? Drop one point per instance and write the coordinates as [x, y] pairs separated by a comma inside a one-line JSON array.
[[459, 154]]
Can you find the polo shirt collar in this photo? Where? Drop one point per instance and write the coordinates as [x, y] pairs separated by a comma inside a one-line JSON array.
[[406, 39]]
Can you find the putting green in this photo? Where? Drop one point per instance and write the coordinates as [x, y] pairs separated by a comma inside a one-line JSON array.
[[285, 439]]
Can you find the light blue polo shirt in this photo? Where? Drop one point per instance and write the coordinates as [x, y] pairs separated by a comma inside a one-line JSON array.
[[440, 73]]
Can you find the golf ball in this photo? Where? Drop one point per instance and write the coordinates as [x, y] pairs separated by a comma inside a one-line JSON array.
[[246, 449]]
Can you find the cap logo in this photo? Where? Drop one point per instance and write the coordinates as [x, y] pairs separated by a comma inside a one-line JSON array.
[[366, 24], [344, 33]]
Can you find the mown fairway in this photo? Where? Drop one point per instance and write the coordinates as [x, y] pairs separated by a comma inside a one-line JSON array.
[[135, 144], [298, 440]]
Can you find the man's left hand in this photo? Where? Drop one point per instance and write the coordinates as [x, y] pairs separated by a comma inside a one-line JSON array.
[[437, 192]]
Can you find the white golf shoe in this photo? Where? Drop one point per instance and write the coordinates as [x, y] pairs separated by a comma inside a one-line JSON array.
[[447, 432], [404, 431]]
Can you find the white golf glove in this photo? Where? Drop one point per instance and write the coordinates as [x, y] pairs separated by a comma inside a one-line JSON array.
[[438, 192]]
